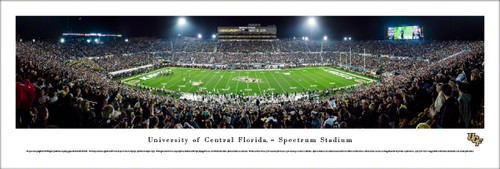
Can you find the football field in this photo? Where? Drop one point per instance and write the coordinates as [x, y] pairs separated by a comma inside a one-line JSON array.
[[190, 80]]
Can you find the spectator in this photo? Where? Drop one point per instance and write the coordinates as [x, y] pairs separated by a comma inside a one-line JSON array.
[[316, 122], [81, 93], [449, 115], [464, 100]]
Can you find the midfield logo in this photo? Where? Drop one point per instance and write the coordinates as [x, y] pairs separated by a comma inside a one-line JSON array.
[[474, 138]]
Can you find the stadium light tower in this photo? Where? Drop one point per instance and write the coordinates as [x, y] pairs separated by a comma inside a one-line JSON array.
[[325, 37], [214, 36], [307, 38], [182, 22], [33, 40], [349, 38], [126, 40], [96, 40], [88, 40], [199, 36], [312, 22], [62, 40]]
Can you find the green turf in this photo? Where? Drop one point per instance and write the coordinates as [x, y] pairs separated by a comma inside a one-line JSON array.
[[276, 81]]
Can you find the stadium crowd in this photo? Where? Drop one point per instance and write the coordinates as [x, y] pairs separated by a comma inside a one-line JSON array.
[[58, 88]]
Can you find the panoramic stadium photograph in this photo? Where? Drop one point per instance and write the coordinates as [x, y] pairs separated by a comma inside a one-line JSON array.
[[258, 72]]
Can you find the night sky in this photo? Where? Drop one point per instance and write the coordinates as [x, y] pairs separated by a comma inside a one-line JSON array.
[[335, 27]]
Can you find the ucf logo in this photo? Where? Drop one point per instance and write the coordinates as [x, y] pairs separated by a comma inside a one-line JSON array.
[[474, 138]]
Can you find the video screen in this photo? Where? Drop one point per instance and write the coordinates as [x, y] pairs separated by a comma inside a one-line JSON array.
[[404, 32]]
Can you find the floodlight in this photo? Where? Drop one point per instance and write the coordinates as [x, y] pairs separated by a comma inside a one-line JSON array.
[[214, 36], [325, 37], [33, 40], [62, 40], [307, 38], [312, 21], [349, 38], [294, 38], [345, 38], [179, 34], [126, 40], [199, 36], [96, 40], [182, 21], [21, 40], [88, 40]]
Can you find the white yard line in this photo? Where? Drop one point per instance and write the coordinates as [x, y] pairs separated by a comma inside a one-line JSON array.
[[267, 81], [284, 79], [298, 82], [329, 82], [260, 90], [175, 83], [298, 72], [238, 82], [247, 90], [200, 73], [278, 82], [227, 84], [220, 78], [170, 79], [304, 75], [209, 81]]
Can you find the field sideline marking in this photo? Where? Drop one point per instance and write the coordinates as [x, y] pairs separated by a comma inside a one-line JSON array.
[[147, 73], [355, 84], [357, 76], [346, 72], [344, 81]]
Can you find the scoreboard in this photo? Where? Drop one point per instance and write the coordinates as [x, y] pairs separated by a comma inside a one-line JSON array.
[[252, 31], [404, 32]]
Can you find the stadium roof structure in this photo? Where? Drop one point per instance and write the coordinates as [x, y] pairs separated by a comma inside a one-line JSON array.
[[91, 34]]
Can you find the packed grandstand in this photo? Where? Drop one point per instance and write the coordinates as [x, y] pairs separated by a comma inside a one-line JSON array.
[[424, 84]]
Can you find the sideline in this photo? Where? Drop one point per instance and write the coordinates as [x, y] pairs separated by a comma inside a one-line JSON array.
[[131, 69]]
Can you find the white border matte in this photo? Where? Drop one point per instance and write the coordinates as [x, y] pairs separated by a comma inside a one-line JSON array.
[[14, 142]]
